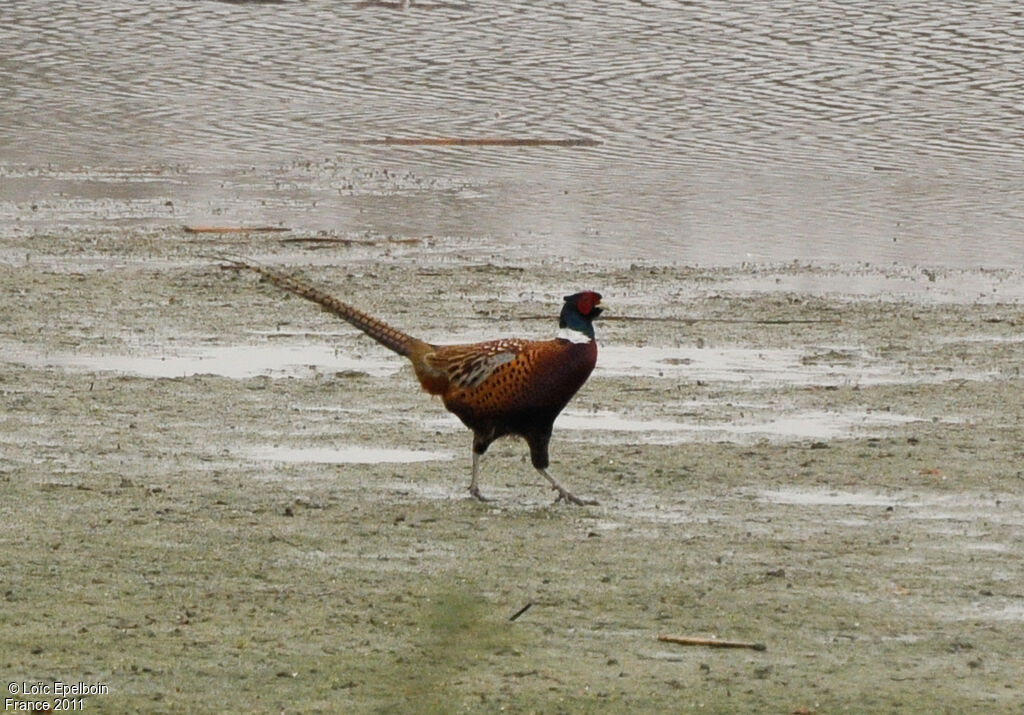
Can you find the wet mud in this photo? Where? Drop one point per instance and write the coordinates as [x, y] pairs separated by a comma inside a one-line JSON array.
[[215, 496]]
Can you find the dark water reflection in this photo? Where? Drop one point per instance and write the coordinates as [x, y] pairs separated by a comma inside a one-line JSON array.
[[729, 131]]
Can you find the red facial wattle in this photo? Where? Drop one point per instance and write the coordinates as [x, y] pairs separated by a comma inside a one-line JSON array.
[[587, 301]]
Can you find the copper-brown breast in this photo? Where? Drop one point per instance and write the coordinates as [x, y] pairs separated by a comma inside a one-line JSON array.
[[516, 376]]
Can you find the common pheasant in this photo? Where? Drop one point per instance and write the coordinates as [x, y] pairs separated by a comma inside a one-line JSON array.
[[501, 387]]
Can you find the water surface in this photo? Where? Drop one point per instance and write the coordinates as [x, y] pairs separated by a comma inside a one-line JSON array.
[[727, 131]]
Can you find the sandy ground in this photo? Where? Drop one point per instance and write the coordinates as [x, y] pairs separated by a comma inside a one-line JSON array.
[[215, 497]]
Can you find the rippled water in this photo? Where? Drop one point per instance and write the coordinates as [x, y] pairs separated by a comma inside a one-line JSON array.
[[728, 131]]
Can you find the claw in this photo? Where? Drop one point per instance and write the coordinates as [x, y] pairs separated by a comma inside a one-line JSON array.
[[565, 494], [570, 498]]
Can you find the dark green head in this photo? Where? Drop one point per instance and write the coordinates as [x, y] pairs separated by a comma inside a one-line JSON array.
[[578, 315]]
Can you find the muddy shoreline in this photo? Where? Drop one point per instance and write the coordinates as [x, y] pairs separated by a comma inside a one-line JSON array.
[[216, 496]]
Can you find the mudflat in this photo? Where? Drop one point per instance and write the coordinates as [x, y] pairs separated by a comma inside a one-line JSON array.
[[216, 497]]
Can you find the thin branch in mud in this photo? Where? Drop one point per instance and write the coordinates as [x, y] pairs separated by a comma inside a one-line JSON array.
[[234, 229], [348, 241], [321, 239], [521, 611], [711, 642]]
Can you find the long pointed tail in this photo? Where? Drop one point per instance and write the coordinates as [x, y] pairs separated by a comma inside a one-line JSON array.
[[389, 337]]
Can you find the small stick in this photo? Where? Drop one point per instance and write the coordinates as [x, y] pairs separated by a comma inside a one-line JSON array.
[[711, 642], [348, 241], [234, 229], [521, 611], [323, 239], [483, 141]]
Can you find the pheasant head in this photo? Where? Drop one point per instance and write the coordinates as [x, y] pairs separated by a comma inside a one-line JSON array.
[[578, 315]]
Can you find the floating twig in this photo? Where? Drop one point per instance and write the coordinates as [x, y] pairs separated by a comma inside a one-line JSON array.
[[711, 642], [235, 229], [348, 241], [479, 141]]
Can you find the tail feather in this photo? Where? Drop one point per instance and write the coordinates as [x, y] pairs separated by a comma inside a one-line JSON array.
[[386, 335]]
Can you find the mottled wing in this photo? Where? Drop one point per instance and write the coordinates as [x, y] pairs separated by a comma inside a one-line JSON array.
[[467, 366]]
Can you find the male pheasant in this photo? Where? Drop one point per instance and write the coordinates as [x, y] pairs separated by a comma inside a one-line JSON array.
[[501, 387]]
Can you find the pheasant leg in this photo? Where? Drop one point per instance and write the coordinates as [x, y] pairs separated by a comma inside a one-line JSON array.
[[473, 488]]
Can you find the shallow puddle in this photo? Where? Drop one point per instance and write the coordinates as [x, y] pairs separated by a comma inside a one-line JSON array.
[[757, 368], [348, 454], [234, 361], [804, 425], [941, 286], [753, 367], [613, 422], [958, 508], [749, 367], [831, 497]]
